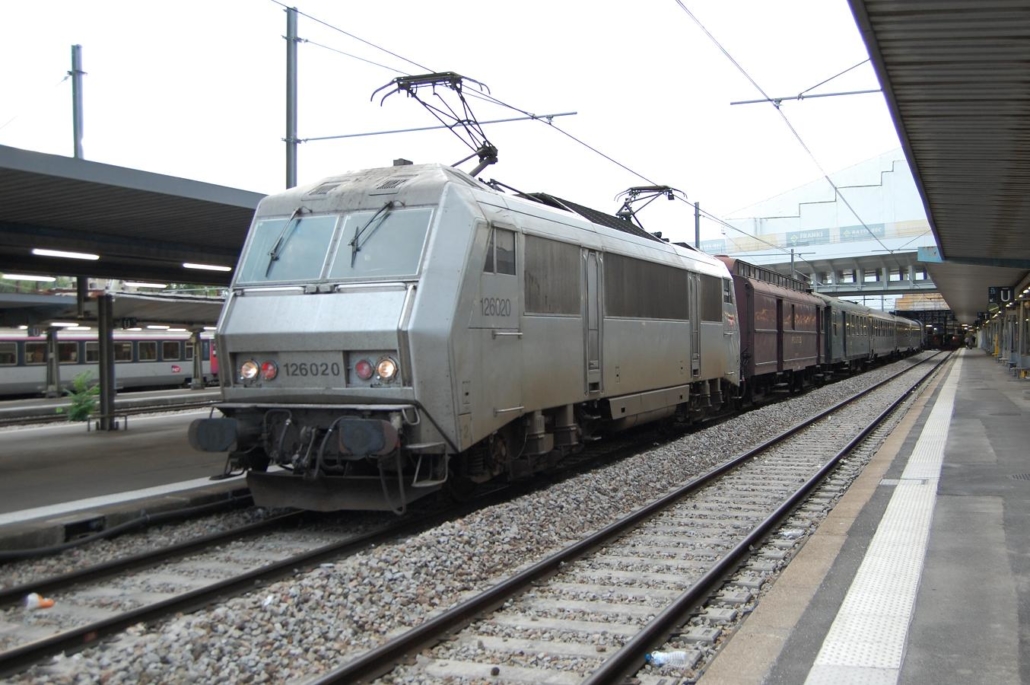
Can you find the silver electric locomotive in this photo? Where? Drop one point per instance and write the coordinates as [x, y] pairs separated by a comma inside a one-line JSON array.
[[396, 331]]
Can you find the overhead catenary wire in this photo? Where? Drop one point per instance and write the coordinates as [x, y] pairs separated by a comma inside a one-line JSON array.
[[352, 56], [351, 35], [34, 102], [485, 96], [790, 126]]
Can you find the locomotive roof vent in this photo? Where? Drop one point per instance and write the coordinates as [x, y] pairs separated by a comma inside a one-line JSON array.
[[395, 182], [324, 189]]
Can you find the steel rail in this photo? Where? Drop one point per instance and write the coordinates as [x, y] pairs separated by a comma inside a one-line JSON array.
[[142, 560], [630, 658], [382, 659], [20, 657]]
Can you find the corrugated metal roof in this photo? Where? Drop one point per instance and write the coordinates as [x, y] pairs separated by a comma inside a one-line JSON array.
[[143, 225], [956, 74]]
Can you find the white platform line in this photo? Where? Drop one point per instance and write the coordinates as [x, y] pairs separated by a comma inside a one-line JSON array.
[[105, 500], [866, 642]]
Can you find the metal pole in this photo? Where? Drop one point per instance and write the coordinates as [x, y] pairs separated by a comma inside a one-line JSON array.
[[197, 383], [81, 295], [53, 364], [105, 314], [291, 97], [76, 74], [697, 225], [793, 274]]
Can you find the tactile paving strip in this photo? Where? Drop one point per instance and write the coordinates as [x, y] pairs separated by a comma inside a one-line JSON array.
[[866, 642]]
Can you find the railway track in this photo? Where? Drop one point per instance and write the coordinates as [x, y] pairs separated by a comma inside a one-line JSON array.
[[87, 612], [96, 602], [594, 609]]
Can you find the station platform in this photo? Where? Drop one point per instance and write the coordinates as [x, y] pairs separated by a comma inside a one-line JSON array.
[[123, 401], [59, 481], [921, 573]]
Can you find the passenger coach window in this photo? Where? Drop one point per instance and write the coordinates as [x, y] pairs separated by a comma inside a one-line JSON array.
[[500, 252], [92, 352], [148, 351], [170, 350], [35, 353], [8, 354], [123, 351], [68, 352]]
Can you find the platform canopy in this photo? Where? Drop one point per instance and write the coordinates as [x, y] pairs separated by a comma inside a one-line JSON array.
[[128, 310], [143, 226], [955, 76]]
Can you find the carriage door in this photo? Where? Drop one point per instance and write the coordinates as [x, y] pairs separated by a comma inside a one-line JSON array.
[[694, 300], [592, 321], [779, 334]]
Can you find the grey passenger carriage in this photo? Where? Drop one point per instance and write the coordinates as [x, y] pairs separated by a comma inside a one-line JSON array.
[[394, 331]]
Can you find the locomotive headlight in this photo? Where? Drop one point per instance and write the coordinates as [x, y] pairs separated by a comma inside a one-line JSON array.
[[386, 368], [249, 370], [269, 370]]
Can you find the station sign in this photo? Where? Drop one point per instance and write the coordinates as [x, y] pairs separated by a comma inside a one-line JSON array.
[[814, 235], [997, 294], [713, 246], [861, 233]]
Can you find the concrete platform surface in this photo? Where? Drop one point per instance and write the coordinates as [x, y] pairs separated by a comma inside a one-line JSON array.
[[57, 480], [921, 574]]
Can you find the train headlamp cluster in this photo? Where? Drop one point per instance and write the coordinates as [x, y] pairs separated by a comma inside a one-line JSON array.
[[250, 369], [385, 369]]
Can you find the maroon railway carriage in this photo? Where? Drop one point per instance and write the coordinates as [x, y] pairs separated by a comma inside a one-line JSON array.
[[780, 328]]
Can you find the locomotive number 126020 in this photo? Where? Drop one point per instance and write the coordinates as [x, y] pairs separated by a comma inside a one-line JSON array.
[[496, 306]]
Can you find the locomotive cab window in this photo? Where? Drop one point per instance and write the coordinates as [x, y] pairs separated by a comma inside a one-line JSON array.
[[384, 244], [287, 249], [500, 252]]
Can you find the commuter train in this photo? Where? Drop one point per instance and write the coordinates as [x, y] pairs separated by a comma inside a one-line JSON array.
[[143, 359], [393, 332]]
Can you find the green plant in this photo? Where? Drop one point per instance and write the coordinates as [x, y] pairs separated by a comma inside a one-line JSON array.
[[83, 394]]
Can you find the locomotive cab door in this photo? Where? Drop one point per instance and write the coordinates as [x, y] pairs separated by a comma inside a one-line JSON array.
[[497, 316]]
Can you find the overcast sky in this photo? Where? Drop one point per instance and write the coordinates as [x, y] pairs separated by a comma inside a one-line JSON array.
[[198, 90]]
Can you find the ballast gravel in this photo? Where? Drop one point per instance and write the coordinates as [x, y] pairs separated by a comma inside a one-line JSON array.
[[295, 629]]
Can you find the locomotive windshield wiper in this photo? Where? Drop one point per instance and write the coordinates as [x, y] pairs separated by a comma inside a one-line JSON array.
[[355, 245], [284, 236]]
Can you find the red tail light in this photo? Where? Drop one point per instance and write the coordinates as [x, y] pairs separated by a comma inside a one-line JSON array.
[[364, 369]]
